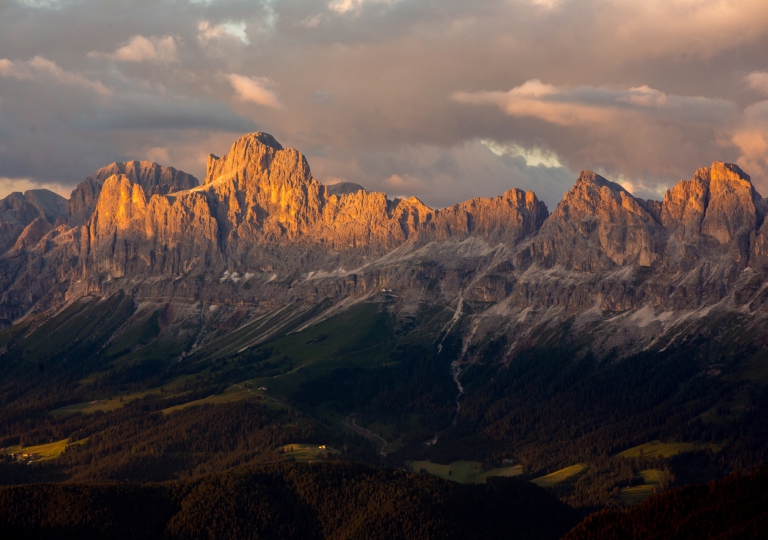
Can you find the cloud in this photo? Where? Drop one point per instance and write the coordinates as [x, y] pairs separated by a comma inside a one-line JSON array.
[[254, 89], [44, 3], [40, 68], [639, 132], [565, 106], [442, 176], [751, 138], [228, 30], [533, 157], [683, 28], [758, 80], [142, 111], [142, 49], [322, 96], [352, 6], [10, 185], [640, 90]]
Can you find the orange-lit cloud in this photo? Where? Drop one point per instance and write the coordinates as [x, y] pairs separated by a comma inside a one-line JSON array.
[[143, 49], [645, 91], [254, 89], [751, 138], [39, 68], [758, 80]]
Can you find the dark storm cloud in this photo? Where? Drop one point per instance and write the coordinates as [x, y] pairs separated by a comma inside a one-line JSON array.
[[414, 97]]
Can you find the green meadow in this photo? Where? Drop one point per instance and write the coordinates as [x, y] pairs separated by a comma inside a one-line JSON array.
[[635, 495], [44, 452], [306, 452], [464, 472], [559, 476], [666, 449]]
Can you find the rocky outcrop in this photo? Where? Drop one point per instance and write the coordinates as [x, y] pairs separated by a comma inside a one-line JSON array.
[[712, 214], [344, 188], [18, 210], [260, 210], [598, 226], [153, 178], [506, 219]]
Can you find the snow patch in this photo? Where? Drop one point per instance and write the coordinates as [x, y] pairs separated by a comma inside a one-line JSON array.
[[323, 274]]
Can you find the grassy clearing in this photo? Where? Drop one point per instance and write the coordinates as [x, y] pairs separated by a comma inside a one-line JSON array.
[[103, 405], [43, 452], [233, 393], [359, 337], [666, 449], [637, 494], [306, 452], [116, 402], [514, 470], [559, 476], [464, 472]]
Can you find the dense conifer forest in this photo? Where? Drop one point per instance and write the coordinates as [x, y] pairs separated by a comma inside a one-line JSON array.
[[732, 508], [303, 501]]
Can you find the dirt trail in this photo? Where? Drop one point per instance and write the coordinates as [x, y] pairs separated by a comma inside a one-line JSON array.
[[349, 421]]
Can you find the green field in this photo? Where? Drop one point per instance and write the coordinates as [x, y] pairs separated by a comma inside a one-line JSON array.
[[359, 337], [666, 449], [637, 494], [102, 405], [464, 472], [559, 476], [306, 452], [43, 452], [115, 402], [233, 393], [513, 470]]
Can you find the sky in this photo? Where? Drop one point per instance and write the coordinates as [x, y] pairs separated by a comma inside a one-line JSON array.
[[440, 99]]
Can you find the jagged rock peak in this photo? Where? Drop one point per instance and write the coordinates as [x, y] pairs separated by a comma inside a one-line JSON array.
[[732, 211], [588, 178], [344, 188], [33, 203], [148, 174], [252, 148], [19, 210], [721, 171], [591, 188], [597, 226], [719, 202], [154, 178]]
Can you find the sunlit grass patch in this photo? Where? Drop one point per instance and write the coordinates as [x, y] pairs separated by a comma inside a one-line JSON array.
[[464, 472], [637, 494], [42, 452], [666, 449], [306, 452], [559, 476]]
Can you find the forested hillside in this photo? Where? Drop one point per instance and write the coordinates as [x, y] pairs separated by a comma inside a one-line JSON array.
[[734, 508], [301, 501]]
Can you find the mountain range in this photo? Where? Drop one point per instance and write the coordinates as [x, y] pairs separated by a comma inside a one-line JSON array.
[[261, 232]]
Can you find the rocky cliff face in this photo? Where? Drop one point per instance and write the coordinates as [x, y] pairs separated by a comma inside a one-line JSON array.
[[598, 226], [152, 177], [261, 231], [260, 210], [18, 210]]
